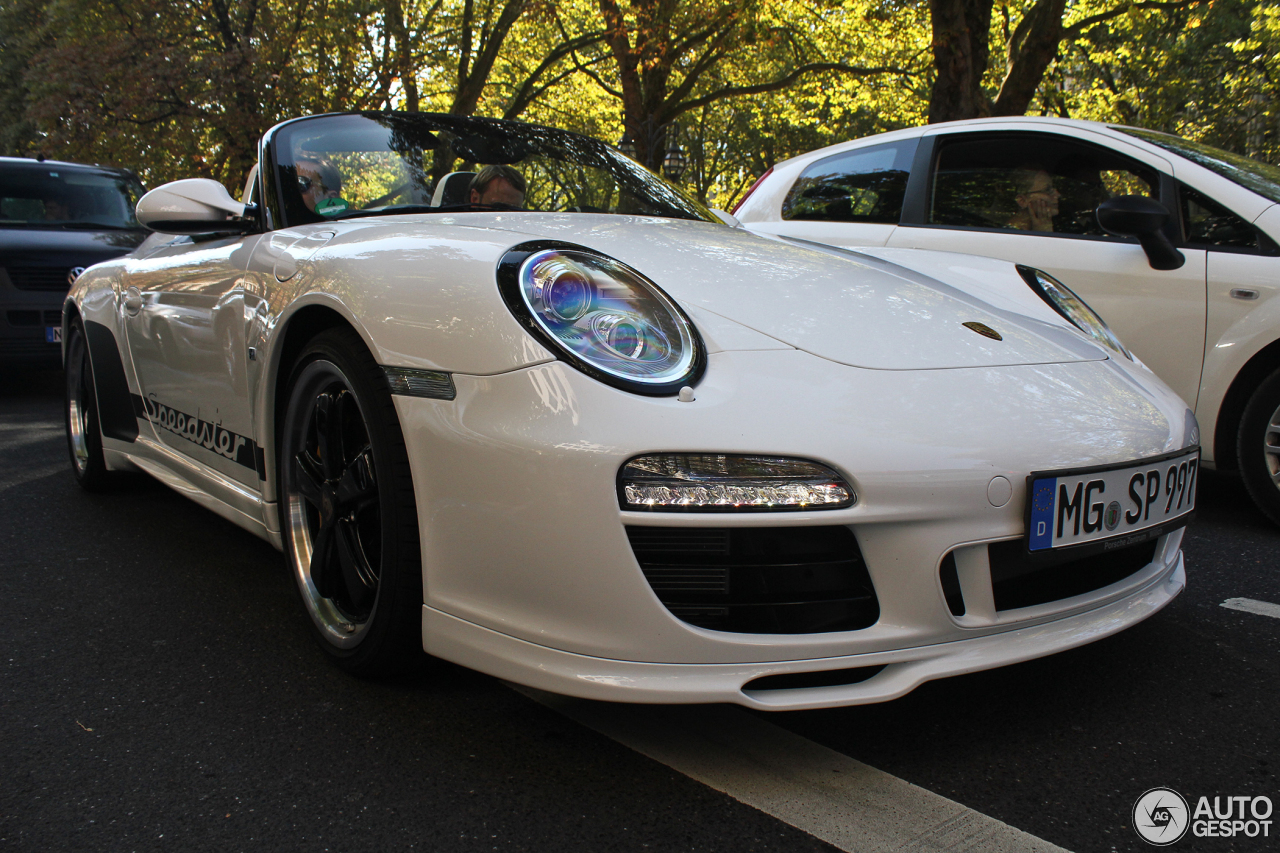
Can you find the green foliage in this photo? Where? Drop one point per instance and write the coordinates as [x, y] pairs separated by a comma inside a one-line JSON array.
[[1207, 70], [180, 90]]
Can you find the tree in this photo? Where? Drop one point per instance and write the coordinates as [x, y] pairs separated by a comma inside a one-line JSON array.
[[23, 35], [664, 54], [962, 52], [1206, 70], [185, 90]]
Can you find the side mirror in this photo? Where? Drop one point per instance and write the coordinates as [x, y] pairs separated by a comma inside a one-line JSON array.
[[194, 206], [1143, 218]]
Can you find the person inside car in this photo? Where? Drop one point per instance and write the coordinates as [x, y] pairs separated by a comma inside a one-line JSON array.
[[317, 181], [498, 186], [1037, 200], [59, 208]]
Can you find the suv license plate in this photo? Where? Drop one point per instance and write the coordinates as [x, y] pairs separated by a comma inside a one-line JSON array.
[[53, 334], [1088, 505]]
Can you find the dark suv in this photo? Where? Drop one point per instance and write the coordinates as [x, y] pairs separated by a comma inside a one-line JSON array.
[[55, 220]]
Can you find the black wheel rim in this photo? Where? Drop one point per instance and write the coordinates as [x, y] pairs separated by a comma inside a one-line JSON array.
[[331, 491]]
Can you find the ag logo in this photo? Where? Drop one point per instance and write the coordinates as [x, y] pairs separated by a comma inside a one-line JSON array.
[[1161, 816], [1111, 518], [74, 274]]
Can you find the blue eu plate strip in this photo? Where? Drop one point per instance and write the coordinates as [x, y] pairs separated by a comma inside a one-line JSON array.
[[1041, 533]]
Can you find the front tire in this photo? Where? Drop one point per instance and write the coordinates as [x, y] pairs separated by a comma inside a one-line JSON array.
[[84, 435], [1258, 447], [348, 514]]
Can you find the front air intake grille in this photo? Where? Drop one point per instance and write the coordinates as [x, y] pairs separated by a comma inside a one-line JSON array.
[[52, 279], [760, 580], [805, 680], [1020, 579], [28, 347], [26, 318]]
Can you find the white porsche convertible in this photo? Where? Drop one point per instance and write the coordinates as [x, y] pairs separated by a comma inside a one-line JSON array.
[[501, 394]]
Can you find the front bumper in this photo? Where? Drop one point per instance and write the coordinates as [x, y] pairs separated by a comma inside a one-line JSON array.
[[904, 670], [529, 574], [25, 321]]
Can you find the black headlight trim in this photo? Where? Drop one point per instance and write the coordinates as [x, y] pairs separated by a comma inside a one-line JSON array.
[[1033, 281], [508, 275], [1031, 276]]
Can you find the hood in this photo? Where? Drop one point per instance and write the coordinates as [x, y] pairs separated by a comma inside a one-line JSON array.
[[849, 308], [48, 247]]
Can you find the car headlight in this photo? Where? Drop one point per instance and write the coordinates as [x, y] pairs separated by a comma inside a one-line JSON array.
[[611, 322], [717, 482], [1063, 300]]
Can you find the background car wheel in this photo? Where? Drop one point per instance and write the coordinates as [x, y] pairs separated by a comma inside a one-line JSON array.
[[347, 508], [1258, 447], [84, 438]]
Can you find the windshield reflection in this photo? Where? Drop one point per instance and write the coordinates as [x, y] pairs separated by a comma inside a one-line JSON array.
[[367, 164], [1262, 178]]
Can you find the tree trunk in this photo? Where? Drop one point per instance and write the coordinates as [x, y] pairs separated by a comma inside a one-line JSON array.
[[1032, 47], [960, 55], [403, 61], [474, 70], [643, 70]]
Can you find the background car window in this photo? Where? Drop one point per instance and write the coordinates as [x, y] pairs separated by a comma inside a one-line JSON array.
[[1123, 182], [866, 185], [1031, 182], [1210, 224], [59, 197]]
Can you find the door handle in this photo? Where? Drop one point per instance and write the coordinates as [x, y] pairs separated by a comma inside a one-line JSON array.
[[133, 301]]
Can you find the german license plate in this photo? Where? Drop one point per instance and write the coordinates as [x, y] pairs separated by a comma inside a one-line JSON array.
[[1112, 502], [53, 334]]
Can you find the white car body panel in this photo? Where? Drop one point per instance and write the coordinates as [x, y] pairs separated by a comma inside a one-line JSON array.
[[504, 656], [856, 360], [1182, 323], [1269, 221], [1238, 328], [534, 587], [1160, 319]]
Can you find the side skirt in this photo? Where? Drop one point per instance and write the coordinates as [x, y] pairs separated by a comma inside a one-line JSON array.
[[229, 499]]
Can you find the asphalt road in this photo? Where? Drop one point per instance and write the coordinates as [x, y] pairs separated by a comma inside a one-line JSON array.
[[160, 692]]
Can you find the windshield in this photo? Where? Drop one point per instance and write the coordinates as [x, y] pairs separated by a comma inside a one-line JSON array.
[[1262, 178], [340, 166], [49, 196]]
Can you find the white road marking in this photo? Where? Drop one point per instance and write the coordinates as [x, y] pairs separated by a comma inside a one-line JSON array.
[[844, 802], [1248, 605]]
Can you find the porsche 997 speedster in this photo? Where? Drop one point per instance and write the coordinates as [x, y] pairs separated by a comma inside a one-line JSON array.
[[501, 394]]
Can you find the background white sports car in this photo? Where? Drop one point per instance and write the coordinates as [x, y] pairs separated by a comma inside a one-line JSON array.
[[1193, 291], [552, 420]]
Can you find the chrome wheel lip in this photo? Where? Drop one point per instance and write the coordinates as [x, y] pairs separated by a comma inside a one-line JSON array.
[[338, 629], [1271, 447], [77, 406]]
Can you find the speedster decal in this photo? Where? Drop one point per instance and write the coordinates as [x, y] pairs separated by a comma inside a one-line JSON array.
[[210, 436]]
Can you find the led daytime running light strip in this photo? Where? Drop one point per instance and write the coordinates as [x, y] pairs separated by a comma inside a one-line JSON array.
[[729, 495], [705, 482]]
